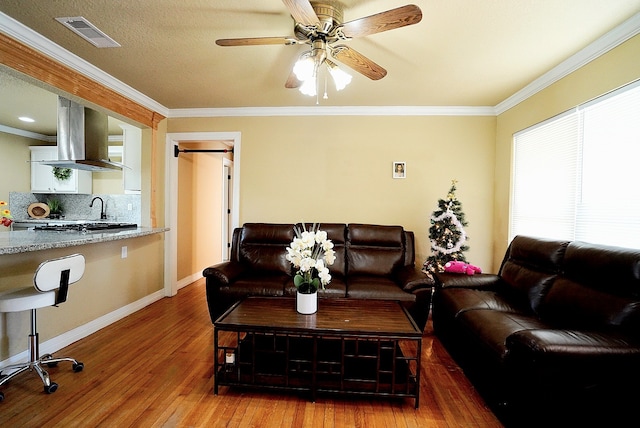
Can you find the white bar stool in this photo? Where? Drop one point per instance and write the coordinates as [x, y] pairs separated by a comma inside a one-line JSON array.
[[50, 287]]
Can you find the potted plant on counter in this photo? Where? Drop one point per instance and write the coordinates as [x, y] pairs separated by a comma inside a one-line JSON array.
[[55, 208]]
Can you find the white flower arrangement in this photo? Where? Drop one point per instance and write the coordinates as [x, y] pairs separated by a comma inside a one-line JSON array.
[[310, 253]]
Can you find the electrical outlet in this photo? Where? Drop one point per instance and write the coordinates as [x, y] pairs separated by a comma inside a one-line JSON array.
[[124, 252], [129, 207]]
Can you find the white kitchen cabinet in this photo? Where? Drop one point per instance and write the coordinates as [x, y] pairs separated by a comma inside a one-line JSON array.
[[43, 180], [132, 159]]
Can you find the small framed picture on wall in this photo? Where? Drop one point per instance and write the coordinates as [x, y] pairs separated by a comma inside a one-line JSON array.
[[399, 170]]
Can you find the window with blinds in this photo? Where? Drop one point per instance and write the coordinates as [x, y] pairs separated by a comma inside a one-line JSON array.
[[576, 176]]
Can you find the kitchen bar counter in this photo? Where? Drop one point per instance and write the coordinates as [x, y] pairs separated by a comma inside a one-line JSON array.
[[23, 241]]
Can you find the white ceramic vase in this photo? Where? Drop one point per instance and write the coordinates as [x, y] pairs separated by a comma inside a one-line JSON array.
[[307, 304]]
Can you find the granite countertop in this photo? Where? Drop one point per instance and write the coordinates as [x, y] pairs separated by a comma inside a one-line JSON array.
[[23, 241]]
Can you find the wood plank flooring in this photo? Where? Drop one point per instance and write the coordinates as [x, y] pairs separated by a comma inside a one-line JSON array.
[[155, 369]]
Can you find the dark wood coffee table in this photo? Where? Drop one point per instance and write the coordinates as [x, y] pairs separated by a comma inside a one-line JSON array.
[[362, 347]]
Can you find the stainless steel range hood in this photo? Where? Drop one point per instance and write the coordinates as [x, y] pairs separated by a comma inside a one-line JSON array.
[[83, 139]]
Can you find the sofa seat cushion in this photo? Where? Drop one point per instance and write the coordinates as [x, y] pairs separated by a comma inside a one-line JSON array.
[[339, 289], [492, 328], [457, 300], [377, 288], [336, 288], [257, 285]]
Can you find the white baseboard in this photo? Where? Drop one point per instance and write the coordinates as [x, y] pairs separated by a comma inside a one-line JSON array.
[[54, 344], [189, 279]]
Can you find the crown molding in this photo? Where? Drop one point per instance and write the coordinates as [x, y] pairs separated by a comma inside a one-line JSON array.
[[36, 41], [335, 111], [610, 40]]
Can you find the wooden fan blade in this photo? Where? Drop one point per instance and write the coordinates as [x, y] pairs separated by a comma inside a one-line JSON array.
[[302, 12], [384, 21], [358, 62], [255, 41]]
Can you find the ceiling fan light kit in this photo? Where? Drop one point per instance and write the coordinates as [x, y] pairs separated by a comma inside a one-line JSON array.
[[309, 87], [340, 77], [319, 24], [307, 66]]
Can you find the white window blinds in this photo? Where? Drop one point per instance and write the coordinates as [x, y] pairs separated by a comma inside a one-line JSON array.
[[577, 176]]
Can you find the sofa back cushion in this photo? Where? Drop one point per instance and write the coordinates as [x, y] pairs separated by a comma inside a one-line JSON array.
[[374, 249], [409, 248], [611, 269], [599, 288], [530, 267], [263, 246]]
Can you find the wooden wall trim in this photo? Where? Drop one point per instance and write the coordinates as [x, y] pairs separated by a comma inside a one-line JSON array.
[[31, 62]]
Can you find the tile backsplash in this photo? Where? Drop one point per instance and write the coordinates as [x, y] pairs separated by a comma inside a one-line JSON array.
[[76, 207]]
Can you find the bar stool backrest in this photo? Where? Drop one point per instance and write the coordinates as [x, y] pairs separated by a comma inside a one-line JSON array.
[[58, 273]]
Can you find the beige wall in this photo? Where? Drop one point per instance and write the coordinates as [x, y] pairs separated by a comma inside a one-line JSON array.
[[15, 174], [107, 182], [109, 283], [612, 70], [339, 169]]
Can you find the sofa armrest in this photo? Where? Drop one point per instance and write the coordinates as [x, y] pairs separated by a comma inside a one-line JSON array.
[[549, 344], [410, 278], [217, 276], [224, 273], [560, 364], [482, 281]]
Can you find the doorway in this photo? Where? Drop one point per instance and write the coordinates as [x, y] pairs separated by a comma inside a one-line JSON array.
[[171, 196]]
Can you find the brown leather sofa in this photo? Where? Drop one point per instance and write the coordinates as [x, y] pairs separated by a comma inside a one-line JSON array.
[[554, 337], [372, 262]]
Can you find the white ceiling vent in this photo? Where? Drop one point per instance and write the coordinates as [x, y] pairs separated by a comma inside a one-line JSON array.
[[88, 31]]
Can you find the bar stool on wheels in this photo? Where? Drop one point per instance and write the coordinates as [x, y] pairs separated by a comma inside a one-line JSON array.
[[50, 287]]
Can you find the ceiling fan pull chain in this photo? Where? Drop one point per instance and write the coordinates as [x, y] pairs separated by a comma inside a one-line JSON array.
[[326, 97]]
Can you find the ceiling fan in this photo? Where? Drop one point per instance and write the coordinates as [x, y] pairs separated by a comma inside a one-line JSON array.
[[319, 24]]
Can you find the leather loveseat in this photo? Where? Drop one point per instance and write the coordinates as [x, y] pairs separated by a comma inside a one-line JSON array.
[[372, 262], [554, 337]]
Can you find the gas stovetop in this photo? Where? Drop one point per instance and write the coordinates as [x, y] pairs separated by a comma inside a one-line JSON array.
[[87, 227]]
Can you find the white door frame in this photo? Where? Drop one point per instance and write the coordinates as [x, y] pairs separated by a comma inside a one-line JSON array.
[[227, 170], [171, 197]]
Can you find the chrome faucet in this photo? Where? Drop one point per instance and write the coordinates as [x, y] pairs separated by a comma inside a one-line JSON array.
[[103, 212]]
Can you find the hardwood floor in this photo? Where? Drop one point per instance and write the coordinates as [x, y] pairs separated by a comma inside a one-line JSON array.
[[155, 369]]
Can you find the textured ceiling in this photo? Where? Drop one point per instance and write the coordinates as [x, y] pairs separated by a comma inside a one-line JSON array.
[[462, 53]]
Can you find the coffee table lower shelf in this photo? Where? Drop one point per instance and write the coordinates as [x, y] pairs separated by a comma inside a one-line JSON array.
[[383, 366]]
